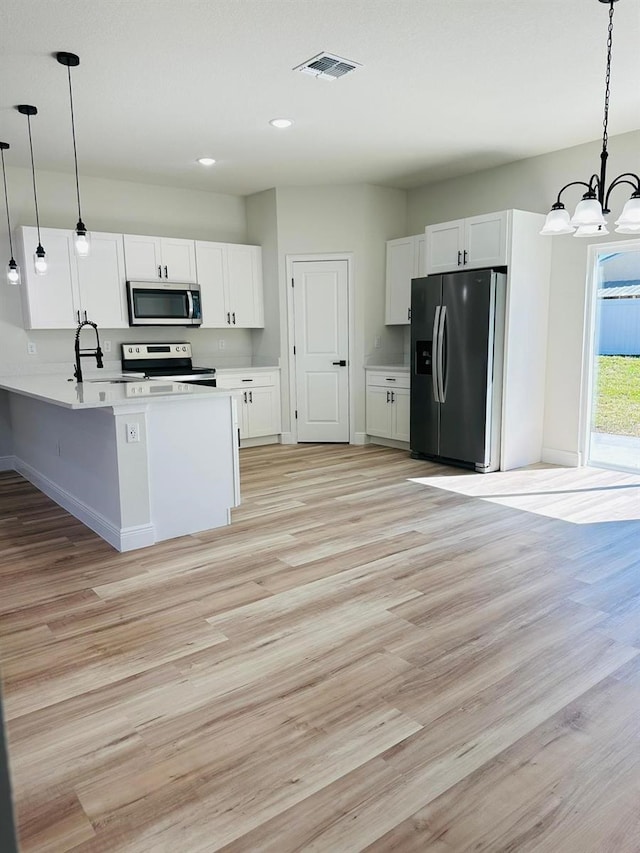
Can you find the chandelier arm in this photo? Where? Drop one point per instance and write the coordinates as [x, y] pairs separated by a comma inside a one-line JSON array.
[[572, 184], [621, 179]]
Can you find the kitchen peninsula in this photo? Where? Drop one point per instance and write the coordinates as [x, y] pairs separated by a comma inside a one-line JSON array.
[[136, 461]]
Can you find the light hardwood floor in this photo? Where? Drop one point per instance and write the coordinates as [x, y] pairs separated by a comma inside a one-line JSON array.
[[365, 660]]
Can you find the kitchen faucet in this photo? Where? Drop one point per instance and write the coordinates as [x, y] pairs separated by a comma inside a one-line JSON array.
[[85, 353]]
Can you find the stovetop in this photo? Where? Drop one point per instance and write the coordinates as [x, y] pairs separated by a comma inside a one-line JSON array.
[[163, 361]]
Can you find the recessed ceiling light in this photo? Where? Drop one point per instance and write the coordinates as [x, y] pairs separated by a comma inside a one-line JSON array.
[[206, 161], [280, 122]]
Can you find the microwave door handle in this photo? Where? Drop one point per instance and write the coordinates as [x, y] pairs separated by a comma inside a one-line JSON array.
[[190, 304]]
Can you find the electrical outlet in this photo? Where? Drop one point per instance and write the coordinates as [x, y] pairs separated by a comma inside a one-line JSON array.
[[31, 348], [106, 346], [133, 432], [376, 342], [221, 343]]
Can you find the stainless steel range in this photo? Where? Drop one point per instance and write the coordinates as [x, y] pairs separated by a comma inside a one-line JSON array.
[[165, 361]]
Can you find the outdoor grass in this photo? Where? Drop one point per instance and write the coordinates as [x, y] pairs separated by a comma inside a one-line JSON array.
[[617, 395]]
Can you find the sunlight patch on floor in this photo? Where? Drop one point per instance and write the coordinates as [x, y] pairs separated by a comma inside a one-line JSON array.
[[578, 495]]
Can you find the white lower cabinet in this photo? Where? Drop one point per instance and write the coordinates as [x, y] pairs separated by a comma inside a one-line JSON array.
[[73, 287], [387, 405], [257, 395]]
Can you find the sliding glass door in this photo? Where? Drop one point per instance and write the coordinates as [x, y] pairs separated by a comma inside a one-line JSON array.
[[614, 416]]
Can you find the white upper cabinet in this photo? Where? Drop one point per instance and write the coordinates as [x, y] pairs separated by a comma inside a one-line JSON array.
[[230, 278], [73, 286], [48, 300], [405, 260], [479, 241], [169, 258], [101, 282]]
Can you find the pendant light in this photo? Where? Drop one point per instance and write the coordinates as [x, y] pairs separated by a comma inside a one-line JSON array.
[[588, 219], [39, 257], [13, 270], [82, 238]]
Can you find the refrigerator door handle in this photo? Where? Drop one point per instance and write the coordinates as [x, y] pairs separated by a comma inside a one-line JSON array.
[[440, 354], [434, 346]]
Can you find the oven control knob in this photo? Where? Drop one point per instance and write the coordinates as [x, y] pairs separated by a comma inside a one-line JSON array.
[[137, 349], [130, 349]]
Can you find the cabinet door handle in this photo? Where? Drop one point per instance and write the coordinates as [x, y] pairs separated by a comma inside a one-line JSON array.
[[390, 379], [78, 316], [459, 257], [85, 316], [234, 317], [465, 257], [408, 313], [388, 392], [228, 318], [245, 396], [166, 273], [251, 396], [159, 271], [393, 397], [247, 380]]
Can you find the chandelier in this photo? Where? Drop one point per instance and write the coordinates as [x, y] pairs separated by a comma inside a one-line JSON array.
[[588, 219]]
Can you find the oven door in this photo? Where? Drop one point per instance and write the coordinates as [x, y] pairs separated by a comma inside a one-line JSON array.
[[166, 303]]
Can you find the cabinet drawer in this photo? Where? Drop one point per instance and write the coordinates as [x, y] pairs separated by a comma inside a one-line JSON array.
[[244, 380], [388, 379]]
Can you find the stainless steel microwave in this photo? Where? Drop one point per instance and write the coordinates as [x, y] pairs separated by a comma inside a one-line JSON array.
[[164, 303]]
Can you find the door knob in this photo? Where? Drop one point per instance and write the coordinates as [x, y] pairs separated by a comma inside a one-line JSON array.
[[341, 363]]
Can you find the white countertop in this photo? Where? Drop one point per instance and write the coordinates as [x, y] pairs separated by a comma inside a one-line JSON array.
[[93, 394], [388, 368], [234, 370]]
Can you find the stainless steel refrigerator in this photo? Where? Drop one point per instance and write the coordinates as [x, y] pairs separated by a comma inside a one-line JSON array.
[[457, 342]]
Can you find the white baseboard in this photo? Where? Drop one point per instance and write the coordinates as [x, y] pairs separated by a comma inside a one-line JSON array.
[[360, 438], [286, 438], [122, 539], [389, 442], [566, 458], [258, 442], [7, 463]]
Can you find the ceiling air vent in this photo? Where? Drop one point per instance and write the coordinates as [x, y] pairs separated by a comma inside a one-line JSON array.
[[327, 66]]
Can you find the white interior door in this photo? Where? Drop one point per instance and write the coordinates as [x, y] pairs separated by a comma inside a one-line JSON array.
[[321, 339]]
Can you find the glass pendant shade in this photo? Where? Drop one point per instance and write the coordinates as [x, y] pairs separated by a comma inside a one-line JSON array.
[[40, 261], [591, 230], [588, 212], [630, 216], [13, 272], [557, 222], [82, 243]]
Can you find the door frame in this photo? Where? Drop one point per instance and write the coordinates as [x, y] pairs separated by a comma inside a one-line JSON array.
[[293, 403], [594, 249]]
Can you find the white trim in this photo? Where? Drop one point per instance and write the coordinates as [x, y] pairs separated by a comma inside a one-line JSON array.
[[7, 463], [566, 458], [590, 304], [122, 539], [328, 256], [259, 440], [389, 442], [287, 438], [361, 438]]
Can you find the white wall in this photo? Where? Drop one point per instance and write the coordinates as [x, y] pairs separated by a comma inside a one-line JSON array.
[[118, 206], [353, 219], [262, 230], [533, 184]]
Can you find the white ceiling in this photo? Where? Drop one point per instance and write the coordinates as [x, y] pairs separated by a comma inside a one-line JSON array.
[[447, 87]]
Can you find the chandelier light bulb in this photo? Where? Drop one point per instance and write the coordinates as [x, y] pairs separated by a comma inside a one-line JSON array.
[[591, 230], [557, 222], [630, 216], [588, 212]]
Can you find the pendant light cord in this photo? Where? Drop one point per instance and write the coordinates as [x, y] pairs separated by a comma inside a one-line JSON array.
[[33, 172], [607, 91], [6, 201], [73, 134]]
